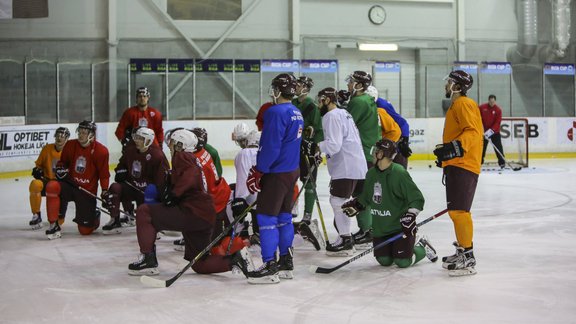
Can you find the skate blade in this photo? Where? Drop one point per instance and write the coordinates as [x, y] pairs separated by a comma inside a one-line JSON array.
[[363, 246], [144, 272], [432, 259], [54, 236], [346, 253], [179, 248], [286, 274], [462, 272], [274, 279], [112, 231], [36, 226]]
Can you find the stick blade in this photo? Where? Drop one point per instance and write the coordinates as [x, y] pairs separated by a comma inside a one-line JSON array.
[[323, 270], [153, 282]]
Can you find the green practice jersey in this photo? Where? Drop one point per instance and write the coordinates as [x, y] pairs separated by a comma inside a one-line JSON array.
[[388, 194], [312, 117], [365, 114]]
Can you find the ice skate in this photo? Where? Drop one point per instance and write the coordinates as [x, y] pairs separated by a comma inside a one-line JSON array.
[[36, 221], [241, 262], [460, 264], [128, 220], [266, 274], [307, 234], [112, 227], [145, 265], [363, 239], [286, 266], [54, 232], [317, 233], [430, 251], [341, 248]]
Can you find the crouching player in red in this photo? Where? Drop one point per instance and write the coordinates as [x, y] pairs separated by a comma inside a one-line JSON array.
[[142, 164], [186, 207], [83, 162]]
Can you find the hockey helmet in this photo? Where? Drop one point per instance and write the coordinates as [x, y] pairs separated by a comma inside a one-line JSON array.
[[183, 140], [145, 134], [240, 134], [62, 131], [343, 97], [202, 136], [253, 139], [360, 77], [327, 93], [372, 92], [386, 146], [143, 90], [285, 84], [461, 78]]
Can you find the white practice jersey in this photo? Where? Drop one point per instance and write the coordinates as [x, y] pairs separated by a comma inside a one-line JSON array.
[[243, 161], [342, 146]]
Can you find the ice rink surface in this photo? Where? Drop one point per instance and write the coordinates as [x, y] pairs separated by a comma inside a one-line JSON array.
[[525, 238]]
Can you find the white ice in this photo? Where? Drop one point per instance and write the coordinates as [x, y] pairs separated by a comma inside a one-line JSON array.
[[525, 238]]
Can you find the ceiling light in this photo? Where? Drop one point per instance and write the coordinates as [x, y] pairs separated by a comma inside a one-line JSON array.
[[377, 47]]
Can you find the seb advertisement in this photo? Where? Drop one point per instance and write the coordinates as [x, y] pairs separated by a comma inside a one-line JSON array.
[[24, 141]]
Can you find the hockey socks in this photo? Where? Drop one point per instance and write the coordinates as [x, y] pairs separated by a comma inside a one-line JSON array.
[[269, 236], [285, 232]]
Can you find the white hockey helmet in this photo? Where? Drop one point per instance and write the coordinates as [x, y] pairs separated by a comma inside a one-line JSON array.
[[253, 139], [146, 134], [372, 92], [240, 134], [184, 140]]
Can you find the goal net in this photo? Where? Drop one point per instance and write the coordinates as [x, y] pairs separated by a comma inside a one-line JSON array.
[[514, 133]]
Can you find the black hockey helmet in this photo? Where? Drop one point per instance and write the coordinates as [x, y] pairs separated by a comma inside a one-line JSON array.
[[202, 136], [306, 81], [329, 93], [343, 97], [461, 78], [87, 124], [386, 146], [360, 77], [62, 130], [285, 84], [143, 90]]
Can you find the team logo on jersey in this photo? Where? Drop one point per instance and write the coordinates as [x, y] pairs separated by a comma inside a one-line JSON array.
[[80, 165], [143, 122], [148, 157], [377, 195], [136, 169]]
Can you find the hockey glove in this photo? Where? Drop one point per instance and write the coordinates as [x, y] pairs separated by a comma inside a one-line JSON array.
[[404, 147], [121, 174], [253, 181], [448, 151], [168, 198], [408, 222], [352, 207], [239, 205], [61, 171], [38, 173], [488, 133], [107, 200]]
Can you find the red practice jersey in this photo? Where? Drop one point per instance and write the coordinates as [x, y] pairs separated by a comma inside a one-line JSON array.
[[133, 117], [87, 165], [218, 188]]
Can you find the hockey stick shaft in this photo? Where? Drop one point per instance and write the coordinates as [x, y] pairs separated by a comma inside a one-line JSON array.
[[153, 282], [503, 158], [131, 185], [321, 216], [379, 245], [94, 196]]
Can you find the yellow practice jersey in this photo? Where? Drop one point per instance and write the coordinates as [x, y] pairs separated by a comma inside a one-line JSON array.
[[47, 160], [389, 127], [464, 123]]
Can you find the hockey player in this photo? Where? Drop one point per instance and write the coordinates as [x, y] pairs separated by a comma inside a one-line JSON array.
[[202, 136], [274, 176], [186, 207], [83, 163], [460, 154], [491, 119], [44, 172], [403, 142], [364, 112], [346, 165], [141, 115], [313, 122], [394, 201], [260, 115], [142, 164], [218, 188]]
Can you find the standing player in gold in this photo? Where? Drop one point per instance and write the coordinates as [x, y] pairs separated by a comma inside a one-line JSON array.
[[43, 172], [460, 155]]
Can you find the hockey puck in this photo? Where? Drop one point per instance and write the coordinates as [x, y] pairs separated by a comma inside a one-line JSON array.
[[16, 179], [429, 166]]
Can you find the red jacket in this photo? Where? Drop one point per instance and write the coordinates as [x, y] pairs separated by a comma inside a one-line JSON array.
[[491, 117], [217, 186], [189, 185], [133, 117], [87, 165]]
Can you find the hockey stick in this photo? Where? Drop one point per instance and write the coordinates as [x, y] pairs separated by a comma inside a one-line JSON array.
[[131, 185], [517, 168], [316, 269], [159, 283], [321, 216]]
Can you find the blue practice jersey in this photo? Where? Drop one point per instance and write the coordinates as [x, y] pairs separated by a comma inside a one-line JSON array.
[[402, 123], [279, 149]]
